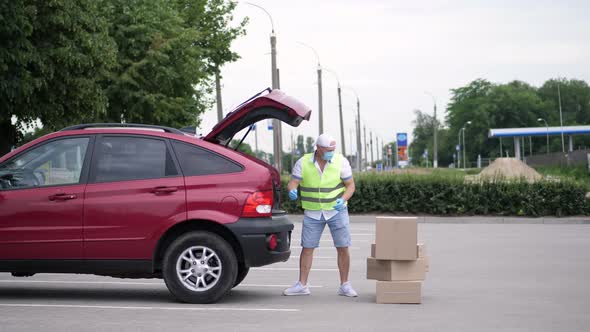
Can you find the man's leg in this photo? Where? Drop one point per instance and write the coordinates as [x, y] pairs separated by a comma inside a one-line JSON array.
[[305, 262], [339, 227], [310, 239], [343, 263]]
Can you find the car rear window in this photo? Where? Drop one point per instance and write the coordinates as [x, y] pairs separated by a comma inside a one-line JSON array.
[[124, 158], [198, 161]]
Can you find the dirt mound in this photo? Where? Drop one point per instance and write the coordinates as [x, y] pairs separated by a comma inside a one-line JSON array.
[[510, 168]]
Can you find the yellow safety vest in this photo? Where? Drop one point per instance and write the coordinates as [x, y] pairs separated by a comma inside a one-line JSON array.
[[320, 192]]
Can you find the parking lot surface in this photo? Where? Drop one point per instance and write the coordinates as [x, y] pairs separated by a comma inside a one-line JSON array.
[[483, 277]]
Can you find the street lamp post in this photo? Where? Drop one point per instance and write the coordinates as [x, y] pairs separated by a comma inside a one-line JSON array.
[[560, 118], [320, 98], [277, 146], [546, 126], [339, 110], [463, 129], [358, 132], [435, 152]]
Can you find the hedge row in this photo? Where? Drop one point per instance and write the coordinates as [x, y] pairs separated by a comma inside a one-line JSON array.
[[451, 195]]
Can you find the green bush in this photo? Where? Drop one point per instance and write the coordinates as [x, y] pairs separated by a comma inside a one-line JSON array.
[[451, 195]]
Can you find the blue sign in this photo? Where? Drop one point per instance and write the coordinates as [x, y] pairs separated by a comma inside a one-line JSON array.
[[379, 167], [402, 139]]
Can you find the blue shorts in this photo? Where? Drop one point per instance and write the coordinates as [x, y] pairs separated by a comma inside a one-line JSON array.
[[339, 227]]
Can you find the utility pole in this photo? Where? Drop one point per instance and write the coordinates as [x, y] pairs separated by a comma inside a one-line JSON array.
[[277, 147], [560, 118], [358, 136], [341, 120], [218, 93], [320, 100], [435, 152], [371, 144], [366, 147]]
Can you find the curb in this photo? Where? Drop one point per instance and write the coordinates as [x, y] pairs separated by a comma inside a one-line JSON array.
[[370, 219]]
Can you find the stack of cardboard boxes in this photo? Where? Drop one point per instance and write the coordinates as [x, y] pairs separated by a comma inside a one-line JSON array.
[[397, 262]]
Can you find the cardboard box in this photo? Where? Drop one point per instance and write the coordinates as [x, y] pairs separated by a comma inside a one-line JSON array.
[[396, 238], [421, 250], [388, 270], [399, 292]]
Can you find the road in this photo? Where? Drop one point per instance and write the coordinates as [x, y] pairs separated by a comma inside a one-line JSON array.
[[483, 277]]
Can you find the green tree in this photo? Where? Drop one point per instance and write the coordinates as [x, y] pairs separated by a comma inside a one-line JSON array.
[[487, 106], [300, 146], [159, 77], [244, 147], [309, 144], [51, 56], [423, 139], [211, 19]]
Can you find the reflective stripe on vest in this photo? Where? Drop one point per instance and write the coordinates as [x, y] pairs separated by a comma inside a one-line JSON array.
[[321, 192]]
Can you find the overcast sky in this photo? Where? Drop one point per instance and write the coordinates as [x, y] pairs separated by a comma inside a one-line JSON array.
[[391, 52]]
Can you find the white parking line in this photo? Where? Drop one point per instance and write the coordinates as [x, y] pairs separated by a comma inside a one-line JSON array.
[[315, 257], [135, 283], [351, 248], [187, 308], [351, 234], [288, 269]]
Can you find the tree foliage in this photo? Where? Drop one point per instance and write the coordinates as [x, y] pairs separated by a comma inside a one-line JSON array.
[[148, 61], [511, 105], [51, 56]]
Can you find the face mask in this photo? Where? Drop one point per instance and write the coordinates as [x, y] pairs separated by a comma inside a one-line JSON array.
[[328, 155]]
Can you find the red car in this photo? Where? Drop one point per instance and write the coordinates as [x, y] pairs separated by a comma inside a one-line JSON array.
[[139, 201]]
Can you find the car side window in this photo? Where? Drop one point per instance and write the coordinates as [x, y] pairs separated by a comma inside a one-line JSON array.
[[198, 161], [126, 158], [57, 162]]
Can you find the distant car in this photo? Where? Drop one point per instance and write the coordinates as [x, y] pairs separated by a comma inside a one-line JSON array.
[[139, 201]]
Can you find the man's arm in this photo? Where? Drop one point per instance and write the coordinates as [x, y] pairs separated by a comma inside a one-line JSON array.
[[293, 184], [350, 188]]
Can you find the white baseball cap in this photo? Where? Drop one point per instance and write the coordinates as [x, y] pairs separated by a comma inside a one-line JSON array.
[[326, 141]]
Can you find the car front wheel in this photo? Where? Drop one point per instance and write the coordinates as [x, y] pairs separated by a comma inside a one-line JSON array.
[[200, 267]]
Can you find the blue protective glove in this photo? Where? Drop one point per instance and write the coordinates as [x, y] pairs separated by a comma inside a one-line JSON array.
[[293, 194], [339, 204]]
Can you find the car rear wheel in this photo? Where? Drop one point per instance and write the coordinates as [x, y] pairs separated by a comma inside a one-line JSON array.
[[242, 273], [200, 267]]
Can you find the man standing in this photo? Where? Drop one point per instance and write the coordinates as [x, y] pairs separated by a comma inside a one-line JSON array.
[[326, 186]]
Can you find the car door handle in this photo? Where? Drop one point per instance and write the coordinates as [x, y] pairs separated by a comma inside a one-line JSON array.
[[62, 197], [164, 190]]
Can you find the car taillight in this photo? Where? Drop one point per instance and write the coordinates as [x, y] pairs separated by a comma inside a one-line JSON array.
[[258, 204]]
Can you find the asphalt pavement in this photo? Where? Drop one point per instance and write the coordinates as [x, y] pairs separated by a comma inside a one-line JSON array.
[[483, 277]]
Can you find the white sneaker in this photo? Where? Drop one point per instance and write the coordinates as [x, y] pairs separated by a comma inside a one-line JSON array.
[[346, 290], [297, 289]]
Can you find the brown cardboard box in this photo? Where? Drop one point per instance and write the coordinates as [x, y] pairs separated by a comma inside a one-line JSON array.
[[399, 292], [396, 238], [421, 252], [388, 270]]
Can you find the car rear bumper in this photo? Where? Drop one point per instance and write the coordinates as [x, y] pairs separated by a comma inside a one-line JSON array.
[[252, 234]]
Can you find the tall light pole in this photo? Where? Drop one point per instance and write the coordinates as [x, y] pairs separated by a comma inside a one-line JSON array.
[[277, 141], [218, 94], [320, 98], [463, 129], [546, 126], [371, 144], [560, 118], [339, 110], [435, 152], [359, 148], [365, 135]]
